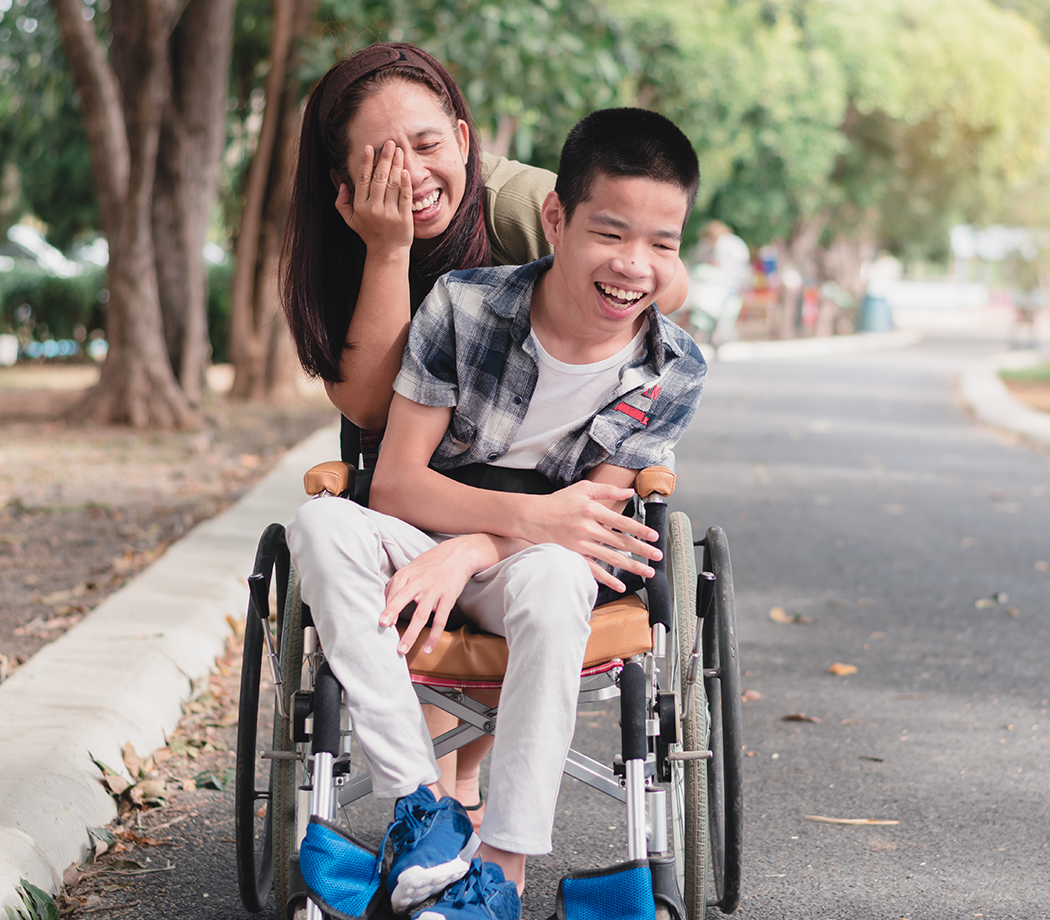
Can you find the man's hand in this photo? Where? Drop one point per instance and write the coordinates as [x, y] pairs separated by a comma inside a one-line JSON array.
[[434, 581], [579, 518]]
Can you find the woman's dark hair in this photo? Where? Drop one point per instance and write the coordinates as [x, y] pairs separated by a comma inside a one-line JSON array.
[[321, 257], [625, 142]]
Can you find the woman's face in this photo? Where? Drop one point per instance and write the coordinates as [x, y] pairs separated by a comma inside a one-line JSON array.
[[435, 150]]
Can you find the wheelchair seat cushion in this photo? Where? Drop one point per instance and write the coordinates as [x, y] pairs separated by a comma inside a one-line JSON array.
[[618, 630]]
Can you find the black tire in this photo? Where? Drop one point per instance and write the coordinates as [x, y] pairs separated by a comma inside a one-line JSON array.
[[725, 774], [688, 791], [253, 781], [287, 775]]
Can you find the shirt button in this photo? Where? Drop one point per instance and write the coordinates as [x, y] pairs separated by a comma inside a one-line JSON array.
[[493, 457], [517, 400]]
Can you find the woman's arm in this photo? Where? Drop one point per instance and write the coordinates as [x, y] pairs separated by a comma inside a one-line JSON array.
[[380, 212], [677, 291]]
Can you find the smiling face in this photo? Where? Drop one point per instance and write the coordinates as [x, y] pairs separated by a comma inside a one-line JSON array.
[[615, 256], [435, 148]]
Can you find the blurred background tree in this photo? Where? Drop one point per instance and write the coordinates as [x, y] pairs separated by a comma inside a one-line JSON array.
[[828, 129]]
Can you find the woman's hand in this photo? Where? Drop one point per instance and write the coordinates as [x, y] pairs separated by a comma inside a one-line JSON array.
[[380, 208], [433, 581], [579, 518]]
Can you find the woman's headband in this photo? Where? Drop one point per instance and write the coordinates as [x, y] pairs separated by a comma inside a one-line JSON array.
[[372, 59]]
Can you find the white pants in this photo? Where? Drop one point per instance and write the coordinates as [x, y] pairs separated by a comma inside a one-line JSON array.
[[540, 600]]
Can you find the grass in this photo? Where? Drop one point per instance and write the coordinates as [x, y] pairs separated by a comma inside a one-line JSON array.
[[1038, 373]]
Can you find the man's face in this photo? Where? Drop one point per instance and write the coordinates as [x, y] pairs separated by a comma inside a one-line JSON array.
[[619, 252]]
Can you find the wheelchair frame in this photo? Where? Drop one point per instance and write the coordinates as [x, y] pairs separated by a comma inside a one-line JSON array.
[[680, 714]]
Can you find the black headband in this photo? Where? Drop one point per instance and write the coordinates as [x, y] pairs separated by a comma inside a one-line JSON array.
[[371, 60]]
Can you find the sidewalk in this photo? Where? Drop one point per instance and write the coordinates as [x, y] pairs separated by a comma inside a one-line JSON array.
[[123, 672]]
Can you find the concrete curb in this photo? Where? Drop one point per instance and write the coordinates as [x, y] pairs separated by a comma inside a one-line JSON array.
[[983, 391], [121, 675]]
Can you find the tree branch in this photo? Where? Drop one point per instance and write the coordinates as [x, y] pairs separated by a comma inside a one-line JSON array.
[[100, 103]]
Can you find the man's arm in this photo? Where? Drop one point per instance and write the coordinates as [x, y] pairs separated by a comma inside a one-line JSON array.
[[583, 517]]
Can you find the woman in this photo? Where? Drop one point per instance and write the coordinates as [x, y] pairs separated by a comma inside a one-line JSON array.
[[388, 129]]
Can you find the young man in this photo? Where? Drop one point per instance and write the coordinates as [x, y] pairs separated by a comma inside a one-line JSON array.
[[561, 371]]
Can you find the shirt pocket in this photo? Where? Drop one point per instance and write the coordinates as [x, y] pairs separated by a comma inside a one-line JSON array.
[[610, 429], [462, 432]]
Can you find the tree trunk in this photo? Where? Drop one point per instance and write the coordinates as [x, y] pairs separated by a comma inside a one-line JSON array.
[[122, 102], [193, 131], [254, 304]]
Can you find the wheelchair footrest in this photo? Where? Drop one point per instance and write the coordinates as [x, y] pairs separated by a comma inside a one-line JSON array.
[[620, 892]]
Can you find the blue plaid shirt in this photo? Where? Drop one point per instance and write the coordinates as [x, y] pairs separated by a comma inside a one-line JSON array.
[[469, 348]]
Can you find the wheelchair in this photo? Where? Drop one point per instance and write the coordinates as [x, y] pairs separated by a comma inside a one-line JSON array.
[[672, 662]]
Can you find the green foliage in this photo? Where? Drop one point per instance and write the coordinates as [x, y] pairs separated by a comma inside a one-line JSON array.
[[220, 279], [530, 69], [1038, 373], [41, 133], [37, 904], [57, 305]]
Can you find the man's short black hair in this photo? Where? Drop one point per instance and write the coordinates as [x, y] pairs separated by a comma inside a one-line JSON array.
[[625, 142]]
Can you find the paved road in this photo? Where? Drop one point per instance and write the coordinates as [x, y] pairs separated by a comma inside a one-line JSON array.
[[856, 492]]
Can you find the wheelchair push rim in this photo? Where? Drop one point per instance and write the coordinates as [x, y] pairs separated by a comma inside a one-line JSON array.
[[688, 787]]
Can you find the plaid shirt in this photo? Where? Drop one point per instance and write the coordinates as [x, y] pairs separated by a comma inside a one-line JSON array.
[[469, 348]]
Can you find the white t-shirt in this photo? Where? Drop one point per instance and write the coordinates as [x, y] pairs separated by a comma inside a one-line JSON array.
[[567, 397]]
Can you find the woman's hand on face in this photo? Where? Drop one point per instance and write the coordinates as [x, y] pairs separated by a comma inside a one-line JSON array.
[[379, 209]]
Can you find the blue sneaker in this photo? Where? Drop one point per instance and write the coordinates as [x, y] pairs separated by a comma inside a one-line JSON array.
[[433, 842], [482, 894], [341, 874]]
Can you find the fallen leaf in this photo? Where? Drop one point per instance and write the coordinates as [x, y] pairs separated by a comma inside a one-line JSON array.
[[983, 603], [850, 821], [148, 792], [1013, 612], [873, 759], [1043, 565], [132, 761], [798, 717], [111, 779], [842, 669], [748, 695], [778, 615]]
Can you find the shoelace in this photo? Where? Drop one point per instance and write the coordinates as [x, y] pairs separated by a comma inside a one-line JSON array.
[[410, 828], [470, 889]]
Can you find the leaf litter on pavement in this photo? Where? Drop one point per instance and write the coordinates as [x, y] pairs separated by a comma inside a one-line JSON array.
[[158, 791]]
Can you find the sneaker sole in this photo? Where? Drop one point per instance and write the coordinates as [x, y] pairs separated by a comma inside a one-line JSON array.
[[417, 883]]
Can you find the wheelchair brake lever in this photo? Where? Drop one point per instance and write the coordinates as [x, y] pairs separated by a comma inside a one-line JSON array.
[[705, 590], [257, 588]]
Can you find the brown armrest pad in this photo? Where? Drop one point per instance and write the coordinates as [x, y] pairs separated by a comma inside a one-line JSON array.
[[335, 477], [652, 479]]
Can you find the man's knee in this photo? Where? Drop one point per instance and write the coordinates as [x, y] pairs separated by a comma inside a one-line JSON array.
[[327, 528], [557, 586]]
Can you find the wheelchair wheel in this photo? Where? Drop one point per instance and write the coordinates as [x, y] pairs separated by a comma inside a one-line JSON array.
[[688, 792], [254, 776], [288, 774], [725, 774]]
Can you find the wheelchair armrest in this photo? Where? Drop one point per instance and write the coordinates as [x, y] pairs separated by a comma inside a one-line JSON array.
[[335, 477], [654, 479]]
